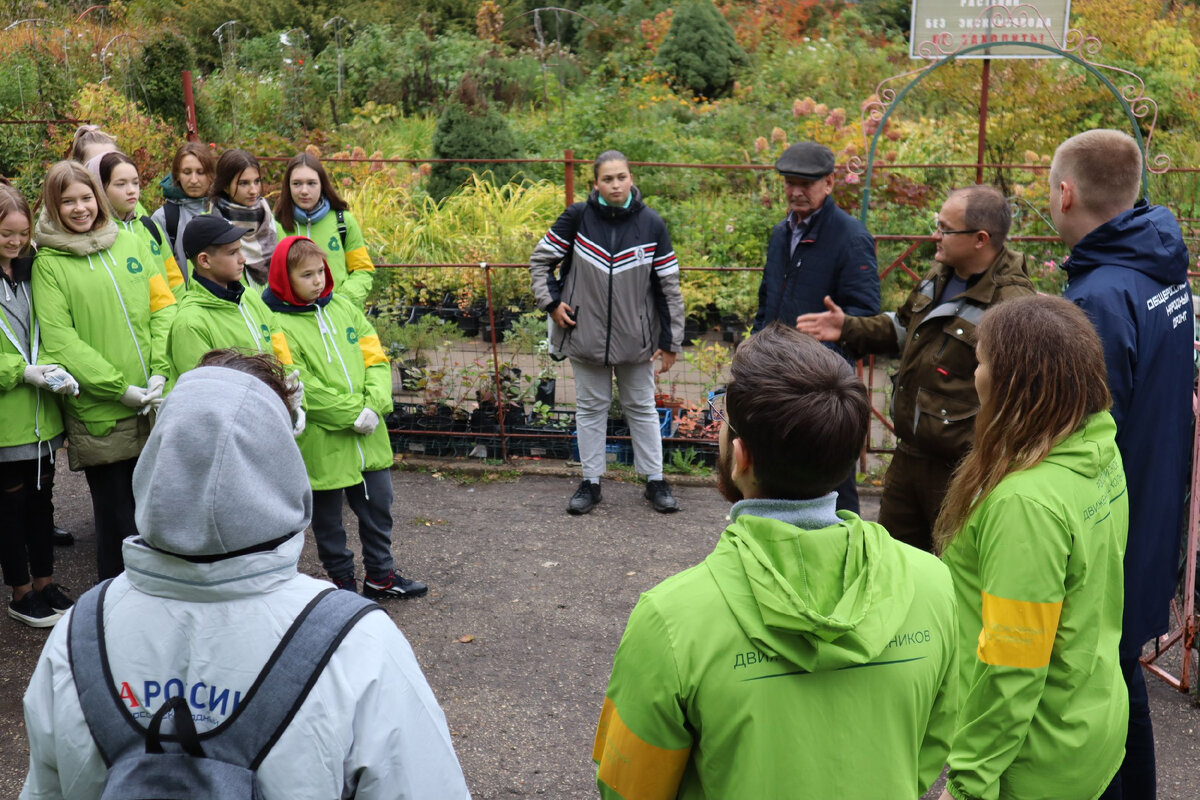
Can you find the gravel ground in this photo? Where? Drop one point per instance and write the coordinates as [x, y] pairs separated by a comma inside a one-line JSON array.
[[525, 610]]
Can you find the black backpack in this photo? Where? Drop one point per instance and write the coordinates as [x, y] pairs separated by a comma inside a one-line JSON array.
[[220, 764]]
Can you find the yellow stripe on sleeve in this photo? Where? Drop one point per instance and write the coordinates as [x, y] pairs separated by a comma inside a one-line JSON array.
[[359, 258], [280, 346], [174, 274], [1017, 633], [160, 295], [372, 351], [635, 769]]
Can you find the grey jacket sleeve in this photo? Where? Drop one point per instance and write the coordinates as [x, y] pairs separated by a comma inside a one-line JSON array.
[[668, 296]]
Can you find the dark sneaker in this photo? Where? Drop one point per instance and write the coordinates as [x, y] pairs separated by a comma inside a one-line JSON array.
[[33, 611], [349, 584], [394, 585], [56, 598], [585, 498], [63, 538], [659, 495]]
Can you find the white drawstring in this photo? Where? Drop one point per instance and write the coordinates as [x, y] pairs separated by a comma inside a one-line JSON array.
[[125, 311], [254, 332]]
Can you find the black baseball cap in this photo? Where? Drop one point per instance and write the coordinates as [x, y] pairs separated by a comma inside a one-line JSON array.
[[207, 230], [807, 160]]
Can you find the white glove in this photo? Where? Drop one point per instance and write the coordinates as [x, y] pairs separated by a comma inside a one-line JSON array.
[[367, 421], [294, 382], [61, 381], [300, 421], [134, 397], [154, 393], [35, 375]]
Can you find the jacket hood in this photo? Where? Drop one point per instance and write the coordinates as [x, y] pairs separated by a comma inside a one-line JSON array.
[[614, 212], [51, 237], [1090, 449], [1145, 238], [822, 599], [278, 282], [221, 472]]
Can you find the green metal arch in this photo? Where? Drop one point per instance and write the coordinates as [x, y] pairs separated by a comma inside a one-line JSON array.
[[1133, 119]]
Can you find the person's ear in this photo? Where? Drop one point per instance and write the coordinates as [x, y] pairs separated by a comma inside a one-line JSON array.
[[743, 465], [1066, 193], [202, 259]]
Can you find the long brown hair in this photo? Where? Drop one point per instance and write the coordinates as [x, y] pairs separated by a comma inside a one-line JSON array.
[[285, 207], [1047, 376], [61, 175]]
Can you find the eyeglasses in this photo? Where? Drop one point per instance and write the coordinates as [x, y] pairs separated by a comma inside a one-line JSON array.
[[938, 230], [716, 408]]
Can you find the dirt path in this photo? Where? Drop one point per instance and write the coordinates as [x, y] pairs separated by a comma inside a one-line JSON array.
[[545, 597]]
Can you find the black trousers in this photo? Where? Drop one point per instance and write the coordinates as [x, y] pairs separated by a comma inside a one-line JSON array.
[[111, 486], [26, 520]]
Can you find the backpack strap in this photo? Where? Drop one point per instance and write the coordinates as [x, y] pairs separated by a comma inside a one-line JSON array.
[[341, 226], [284, 683], [112, 728], [150, 226], [171, 217]]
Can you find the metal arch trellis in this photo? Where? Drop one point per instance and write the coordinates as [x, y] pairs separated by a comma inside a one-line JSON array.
[[229, 64], [127, 82], [1077, 47]]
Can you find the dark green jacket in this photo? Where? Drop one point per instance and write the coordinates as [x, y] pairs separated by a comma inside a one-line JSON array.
[[934, 403]]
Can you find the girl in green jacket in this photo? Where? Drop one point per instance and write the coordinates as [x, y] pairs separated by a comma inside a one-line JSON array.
[[104, 314], [118, 177], [1033, 530], [236, 195], [310, 206], [30, 432]]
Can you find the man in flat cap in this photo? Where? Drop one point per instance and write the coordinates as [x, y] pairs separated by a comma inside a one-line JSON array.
[[818, 250]]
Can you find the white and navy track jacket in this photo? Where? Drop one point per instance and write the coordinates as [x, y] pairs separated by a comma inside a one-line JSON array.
[[619, 272]]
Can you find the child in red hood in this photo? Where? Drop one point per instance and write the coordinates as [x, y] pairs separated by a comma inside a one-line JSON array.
[[347, 390]]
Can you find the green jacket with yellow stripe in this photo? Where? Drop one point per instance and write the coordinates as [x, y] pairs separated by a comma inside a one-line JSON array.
[[1037, 570], [105, 318], [161, 250], [344, 370], [790, 663], [238, 320], [351, 265]]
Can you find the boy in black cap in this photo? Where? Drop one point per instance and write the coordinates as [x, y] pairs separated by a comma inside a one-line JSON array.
[[818, 250], [217, 312]]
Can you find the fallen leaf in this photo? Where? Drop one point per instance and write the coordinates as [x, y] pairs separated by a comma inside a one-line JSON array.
[[630, 574], [466, 639]]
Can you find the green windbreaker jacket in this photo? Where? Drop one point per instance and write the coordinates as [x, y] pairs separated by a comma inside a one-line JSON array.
[[790, 663], [351, 265], [105, 318], [1038, 574], [344, 370], [161, 250], [27, 414], [206, 322]]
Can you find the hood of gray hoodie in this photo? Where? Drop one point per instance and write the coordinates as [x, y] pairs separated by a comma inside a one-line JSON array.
[[221, 471]]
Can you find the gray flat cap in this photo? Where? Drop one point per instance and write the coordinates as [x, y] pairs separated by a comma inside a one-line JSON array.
[[807, 160]]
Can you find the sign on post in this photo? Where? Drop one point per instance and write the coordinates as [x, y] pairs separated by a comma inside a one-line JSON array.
[[941, 27]]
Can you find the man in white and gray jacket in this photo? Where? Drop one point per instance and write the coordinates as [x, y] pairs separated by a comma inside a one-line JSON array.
[[209, 589]]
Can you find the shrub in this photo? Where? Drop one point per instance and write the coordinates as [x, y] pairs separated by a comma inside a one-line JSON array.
[[158, 75], [700, 52], [470, 131]]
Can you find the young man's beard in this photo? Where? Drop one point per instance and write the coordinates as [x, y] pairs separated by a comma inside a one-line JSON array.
[[725, 484]]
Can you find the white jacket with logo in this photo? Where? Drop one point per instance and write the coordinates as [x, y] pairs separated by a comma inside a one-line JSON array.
[[370, 728]]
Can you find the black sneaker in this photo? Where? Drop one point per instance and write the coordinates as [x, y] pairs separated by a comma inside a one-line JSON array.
[[349, 584], [56, 597], [585, 498], [33, 611], [63, 538], [394, 585], [659, 495]]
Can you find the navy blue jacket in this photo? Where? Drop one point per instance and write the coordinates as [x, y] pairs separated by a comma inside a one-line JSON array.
[[836, 258], [1130, 276]]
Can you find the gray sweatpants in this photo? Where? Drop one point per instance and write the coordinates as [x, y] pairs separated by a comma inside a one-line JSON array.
[[593, 396]]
